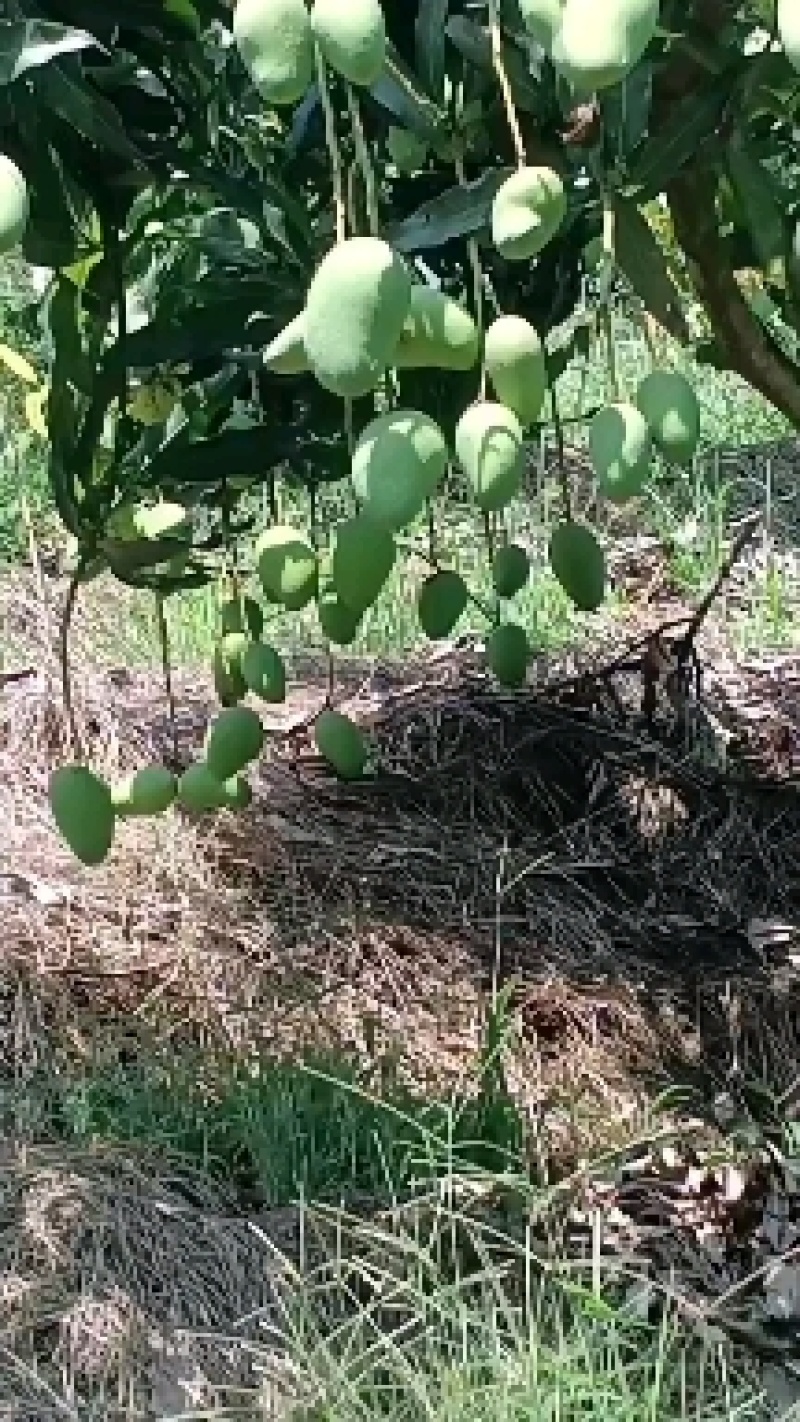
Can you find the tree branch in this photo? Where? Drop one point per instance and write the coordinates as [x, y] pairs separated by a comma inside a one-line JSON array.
[[749, 348]]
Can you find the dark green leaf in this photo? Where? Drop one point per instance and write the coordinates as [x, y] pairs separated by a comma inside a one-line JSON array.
[[458, 212], [28, 44], [626, 112], [429, 31], [690, 124], [95, 118], [399, 93], [757, 197], [129, 556], [642, 261], [207, 329], [234, 454], [475, 45], [572, 341]]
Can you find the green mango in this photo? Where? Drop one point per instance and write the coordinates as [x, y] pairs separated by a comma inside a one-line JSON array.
[[527, 212], [443, 598], [579, 564], [490, 448], [84, 812], [234, 739], [620, 448], [515, 364], [438, 334], [511, 568], [340, 742], [14, 205], [352, 38], [356, 307], [508, 653], [363, 558], [672, 411], [276, 46], [287, 567], [398, 463]]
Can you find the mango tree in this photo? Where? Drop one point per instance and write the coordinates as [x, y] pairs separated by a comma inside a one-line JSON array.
[[315, 242]]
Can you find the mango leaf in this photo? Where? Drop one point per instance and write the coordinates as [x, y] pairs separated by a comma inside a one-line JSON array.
[[642, 261], [29, 44], [127, 556], [234, 454], [95, 118], [571, 342], [626, 112], [458, 212], [399, 93], [757, 197], [690, 124], [429, 39], [475, 45], [195, 333], [18, 365]]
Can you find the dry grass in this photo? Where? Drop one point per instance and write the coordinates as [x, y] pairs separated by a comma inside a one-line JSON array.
[[628, 886]]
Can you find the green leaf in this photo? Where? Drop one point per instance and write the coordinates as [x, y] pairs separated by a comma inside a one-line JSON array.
[[757, 197], [84, 110], [642, 261], [130, 556], [573, 341], [690, 124], [234, 454], [399, 93], [626, 112], [429, 38], [475, 44], [458, 212], [205, 330], [29, 44]]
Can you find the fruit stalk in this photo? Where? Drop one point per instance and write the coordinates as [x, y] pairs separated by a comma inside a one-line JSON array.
[[503, 82]]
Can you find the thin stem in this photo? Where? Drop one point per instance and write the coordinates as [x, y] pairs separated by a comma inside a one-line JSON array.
[[558, 427], [474, 255], [364, 162], [166, 667], [332, 144], [63, 656], [606, 316], [503, 81]]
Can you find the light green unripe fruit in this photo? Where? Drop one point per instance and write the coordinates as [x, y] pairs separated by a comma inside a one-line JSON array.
[[276, 46], [438, 334], [14, 205], [286, 354], [788, 17], [264, 672], [229, 684], [511, 568], [287, 567], [443, 598], [352, 37], [341, 744], [508, 653], [150, 791], [199, 791], [579, 564], [83, 811], [527, 212], [398, 463], [338, 623], [515, 364], [363, 559], [162, 520], [356, 306], [234, 739], [490, 449], [241, 615], [672, 411], [407, 151], [599, 41], [620, 448], [542, 19], [237, 793]]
